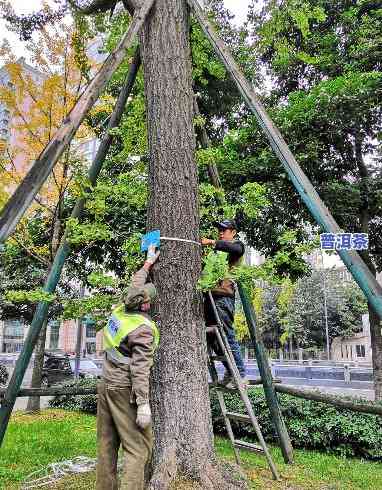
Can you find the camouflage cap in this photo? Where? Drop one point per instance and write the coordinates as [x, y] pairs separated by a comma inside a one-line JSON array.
[[137, 296], [150, 291]]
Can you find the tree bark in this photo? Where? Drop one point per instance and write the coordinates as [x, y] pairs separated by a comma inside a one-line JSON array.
[[364, 214], [183, 449], [38, 363]]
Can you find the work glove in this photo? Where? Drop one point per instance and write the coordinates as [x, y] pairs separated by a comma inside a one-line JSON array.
[[143, 415], [152, 255]]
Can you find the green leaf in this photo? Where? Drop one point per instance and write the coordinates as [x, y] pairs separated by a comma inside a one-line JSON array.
[[34, 296], [215, 269]]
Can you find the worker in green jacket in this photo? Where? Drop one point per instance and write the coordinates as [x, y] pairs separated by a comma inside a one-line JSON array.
[[123, 413]]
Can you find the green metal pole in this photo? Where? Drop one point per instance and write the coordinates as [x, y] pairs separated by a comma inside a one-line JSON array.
[[266, 376], [62, 253]]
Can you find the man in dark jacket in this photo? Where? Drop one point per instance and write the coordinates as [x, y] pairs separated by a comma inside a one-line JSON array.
[[224, 295]]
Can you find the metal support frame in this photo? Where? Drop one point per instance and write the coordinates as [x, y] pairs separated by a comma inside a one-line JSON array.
[[224, 345], [41, 313], [357, 267], [266, 377]]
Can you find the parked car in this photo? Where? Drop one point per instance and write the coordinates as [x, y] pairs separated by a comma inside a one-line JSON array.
[[88, 368], [58, 369], [4, 375]]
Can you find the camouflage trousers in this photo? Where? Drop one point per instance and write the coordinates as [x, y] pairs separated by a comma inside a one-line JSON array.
[[116, 427]]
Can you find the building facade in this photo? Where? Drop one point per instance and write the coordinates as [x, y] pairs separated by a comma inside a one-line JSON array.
[[60, 335], [13, 331], [356, 348]]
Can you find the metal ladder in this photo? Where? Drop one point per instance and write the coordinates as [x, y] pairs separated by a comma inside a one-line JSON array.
[[250, 418]]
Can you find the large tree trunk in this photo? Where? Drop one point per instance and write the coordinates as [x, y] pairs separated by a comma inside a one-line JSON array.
[[38, 363], [376, 345], [183, 448]]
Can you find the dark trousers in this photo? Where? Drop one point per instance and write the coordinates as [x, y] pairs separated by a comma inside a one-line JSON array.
[[116, 426], [225, 306]]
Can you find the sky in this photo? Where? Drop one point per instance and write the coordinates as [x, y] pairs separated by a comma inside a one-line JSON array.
[[237, 7]]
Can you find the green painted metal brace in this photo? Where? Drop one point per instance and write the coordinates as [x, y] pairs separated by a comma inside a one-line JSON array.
[[266, 376]]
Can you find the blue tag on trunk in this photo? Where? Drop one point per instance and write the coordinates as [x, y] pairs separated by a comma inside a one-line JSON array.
[[151, 238]]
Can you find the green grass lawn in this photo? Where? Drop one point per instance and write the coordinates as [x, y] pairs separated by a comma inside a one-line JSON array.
[[33, 441]]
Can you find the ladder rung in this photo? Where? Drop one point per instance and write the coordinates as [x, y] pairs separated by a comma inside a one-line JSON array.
[[213, 385], [211, 329], [224, 388], [218, 358], [248, 445], [239, 416], [220, 387], [251, 382]]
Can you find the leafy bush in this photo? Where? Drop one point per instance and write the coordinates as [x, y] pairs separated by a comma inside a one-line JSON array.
[[3, 375], [82, 403], [310, 424]]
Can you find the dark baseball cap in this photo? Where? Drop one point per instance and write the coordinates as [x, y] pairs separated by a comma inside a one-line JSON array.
[[227, 224]]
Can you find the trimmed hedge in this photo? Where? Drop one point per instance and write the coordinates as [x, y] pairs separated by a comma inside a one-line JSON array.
[[81, 403], [310, 424], [4, 375]]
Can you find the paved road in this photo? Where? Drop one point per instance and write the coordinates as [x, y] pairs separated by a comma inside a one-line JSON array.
[[333, 384], [21, 403], [330, 380]]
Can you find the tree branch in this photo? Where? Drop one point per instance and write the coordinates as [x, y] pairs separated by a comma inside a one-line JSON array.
[[31, 254], [28, 128], [95, 6]]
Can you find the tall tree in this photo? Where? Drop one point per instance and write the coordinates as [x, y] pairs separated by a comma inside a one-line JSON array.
[[39, 98], [184, 441], [325, 97], [183, 434], [306, 315]]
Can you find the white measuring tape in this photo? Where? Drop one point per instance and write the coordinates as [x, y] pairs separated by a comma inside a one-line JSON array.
[[179, 240]]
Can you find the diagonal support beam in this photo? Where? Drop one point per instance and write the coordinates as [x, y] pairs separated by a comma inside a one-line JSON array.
[[41, 313], [261, 355], [42, 167], [266, 376], [357, 267]]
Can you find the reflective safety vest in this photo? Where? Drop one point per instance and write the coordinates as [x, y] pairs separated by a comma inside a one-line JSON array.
[[119, 326]]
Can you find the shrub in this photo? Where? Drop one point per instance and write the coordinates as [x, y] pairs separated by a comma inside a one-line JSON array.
[[310, 424], [3, 375], [82, 403]]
